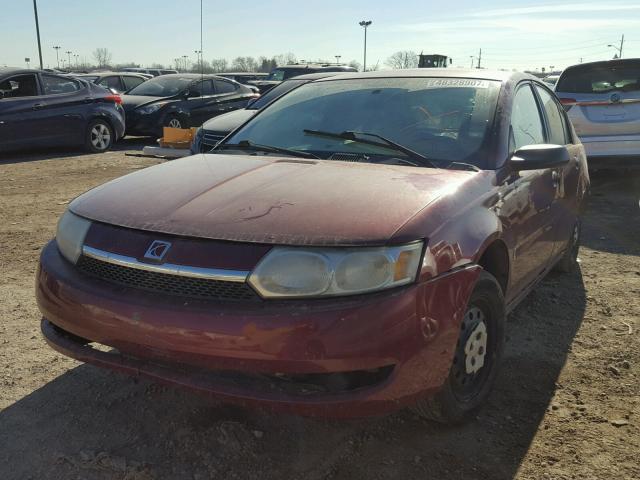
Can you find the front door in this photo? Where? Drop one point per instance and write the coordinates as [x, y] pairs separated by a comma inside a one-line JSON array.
[[19, 111], [528, 197]]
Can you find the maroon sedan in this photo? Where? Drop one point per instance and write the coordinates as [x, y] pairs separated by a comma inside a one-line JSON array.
[[352, 249]]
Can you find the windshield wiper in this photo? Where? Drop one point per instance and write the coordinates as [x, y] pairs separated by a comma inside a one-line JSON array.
[[248, 145], [386, 143]]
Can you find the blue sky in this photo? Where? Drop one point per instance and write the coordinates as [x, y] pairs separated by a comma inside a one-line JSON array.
[[521, 35]]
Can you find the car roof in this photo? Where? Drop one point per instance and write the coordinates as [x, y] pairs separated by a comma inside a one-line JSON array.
[[314, 76], [14, 70], [480, 74], [604, 63], [105, 74], [243, 73]]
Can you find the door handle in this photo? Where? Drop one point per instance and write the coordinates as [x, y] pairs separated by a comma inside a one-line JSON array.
[[555, 176], [38, 106], [88, 100]]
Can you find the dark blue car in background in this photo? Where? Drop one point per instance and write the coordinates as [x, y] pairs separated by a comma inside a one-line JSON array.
[[181, 101], [39, 108]]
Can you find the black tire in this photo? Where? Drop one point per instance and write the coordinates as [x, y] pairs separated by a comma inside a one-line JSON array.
[[99, 136], [464, 392], [175, 121], [569, 261]]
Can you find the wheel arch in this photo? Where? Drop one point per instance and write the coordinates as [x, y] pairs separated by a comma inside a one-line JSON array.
[[494, 259]]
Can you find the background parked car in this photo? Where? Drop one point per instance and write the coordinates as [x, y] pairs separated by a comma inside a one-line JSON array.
[[156, 72], [215, 129], [41, 109], [117, 82], [243, 77], [603, 102], [181, 101], [279, 74]]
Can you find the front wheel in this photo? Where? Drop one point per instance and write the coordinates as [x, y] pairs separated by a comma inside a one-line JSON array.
[[174, 121], [476, 358], [99, 137]]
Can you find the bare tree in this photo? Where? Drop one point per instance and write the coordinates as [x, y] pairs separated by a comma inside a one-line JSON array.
[[102, 56], [403, 59], [355, 64], [285, 59], [244, 64], [219, 65]]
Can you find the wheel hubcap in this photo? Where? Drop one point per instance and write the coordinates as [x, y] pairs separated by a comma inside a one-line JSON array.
[[471, 364], [476, 348], [175, 123], [100, 137]]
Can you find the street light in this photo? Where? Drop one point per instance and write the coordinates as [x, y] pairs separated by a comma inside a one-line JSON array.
[[472, 57], [76, 56], [69, 52], [365, 24], [56, 48], [338, 57], [199, 54], [35, 13]]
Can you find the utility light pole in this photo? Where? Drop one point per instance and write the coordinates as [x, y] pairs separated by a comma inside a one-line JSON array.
[[338, 58], [365, 24], [76, 55], [619, 49], [473, 58], [56, 48], [35, 12], [69, 52], [479, 58]]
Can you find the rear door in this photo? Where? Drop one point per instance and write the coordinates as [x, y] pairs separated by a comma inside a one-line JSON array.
[[19, 111], [64, 107], [205, 105], [230, 95], [602, 99]]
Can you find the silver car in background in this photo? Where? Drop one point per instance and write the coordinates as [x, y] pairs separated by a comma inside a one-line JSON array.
[[602, 100]]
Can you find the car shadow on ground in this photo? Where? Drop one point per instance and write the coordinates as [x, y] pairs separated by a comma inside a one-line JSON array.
[[613, 222], [48, 153], [94, 424]]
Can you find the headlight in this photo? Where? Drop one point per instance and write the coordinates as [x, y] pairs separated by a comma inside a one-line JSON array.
[[146, 110], [287, 272], [70, 235]]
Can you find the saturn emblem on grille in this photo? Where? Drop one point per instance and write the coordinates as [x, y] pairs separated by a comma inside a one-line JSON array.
[[157, 250]]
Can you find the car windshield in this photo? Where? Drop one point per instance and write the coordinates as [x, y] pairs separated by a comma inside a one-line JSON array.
[[164, 86], [601, 78], [274, 93], [443, 119]]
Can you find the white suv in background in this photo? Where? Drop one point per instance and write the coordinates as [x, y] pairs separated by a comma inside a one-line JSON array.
[[602, 100]]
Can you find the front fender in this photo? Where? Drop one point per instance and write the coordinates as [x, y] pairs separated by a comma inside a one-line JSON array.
[[460, 241]]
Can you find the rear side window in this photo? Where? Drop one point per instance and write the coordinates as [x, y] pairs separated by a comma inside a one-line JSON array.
[[20, 86], [526, 124], [111, 82], [555, 120], [57, 85], [600, 79], [224, 87], [130, 82]]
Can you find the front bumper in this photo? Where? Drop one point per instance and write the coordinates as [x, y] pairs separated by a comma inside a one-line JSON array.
[[409, 332]]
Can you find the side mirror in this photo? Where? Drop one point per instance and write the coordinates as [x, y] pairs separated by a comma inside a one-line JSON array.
[[1, 94], [534, 157], [114, 91], [191, 93]]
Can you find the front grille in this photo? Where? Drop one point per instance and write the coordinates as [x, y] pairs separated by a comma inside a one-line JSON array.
[[166, 283]]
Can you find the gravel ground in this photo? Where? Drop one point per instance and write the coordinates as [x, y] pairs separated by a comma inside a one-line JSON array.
[[566, 405]]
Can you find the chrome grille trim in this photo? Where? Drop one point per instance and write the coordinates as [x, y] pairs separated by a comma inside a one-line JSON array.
[[239, 276]]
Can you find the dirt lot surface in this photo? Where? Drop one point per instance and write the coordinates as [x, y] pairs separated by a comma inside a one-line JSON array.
[[566, 406]]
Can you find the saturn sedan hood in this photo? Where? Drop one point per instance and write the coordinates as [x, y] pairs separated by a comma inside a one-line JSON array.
[[267, 199]]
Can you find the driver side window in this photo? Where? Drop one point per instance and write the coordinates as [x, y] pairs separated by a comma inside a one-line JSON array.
[[526, 125]]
